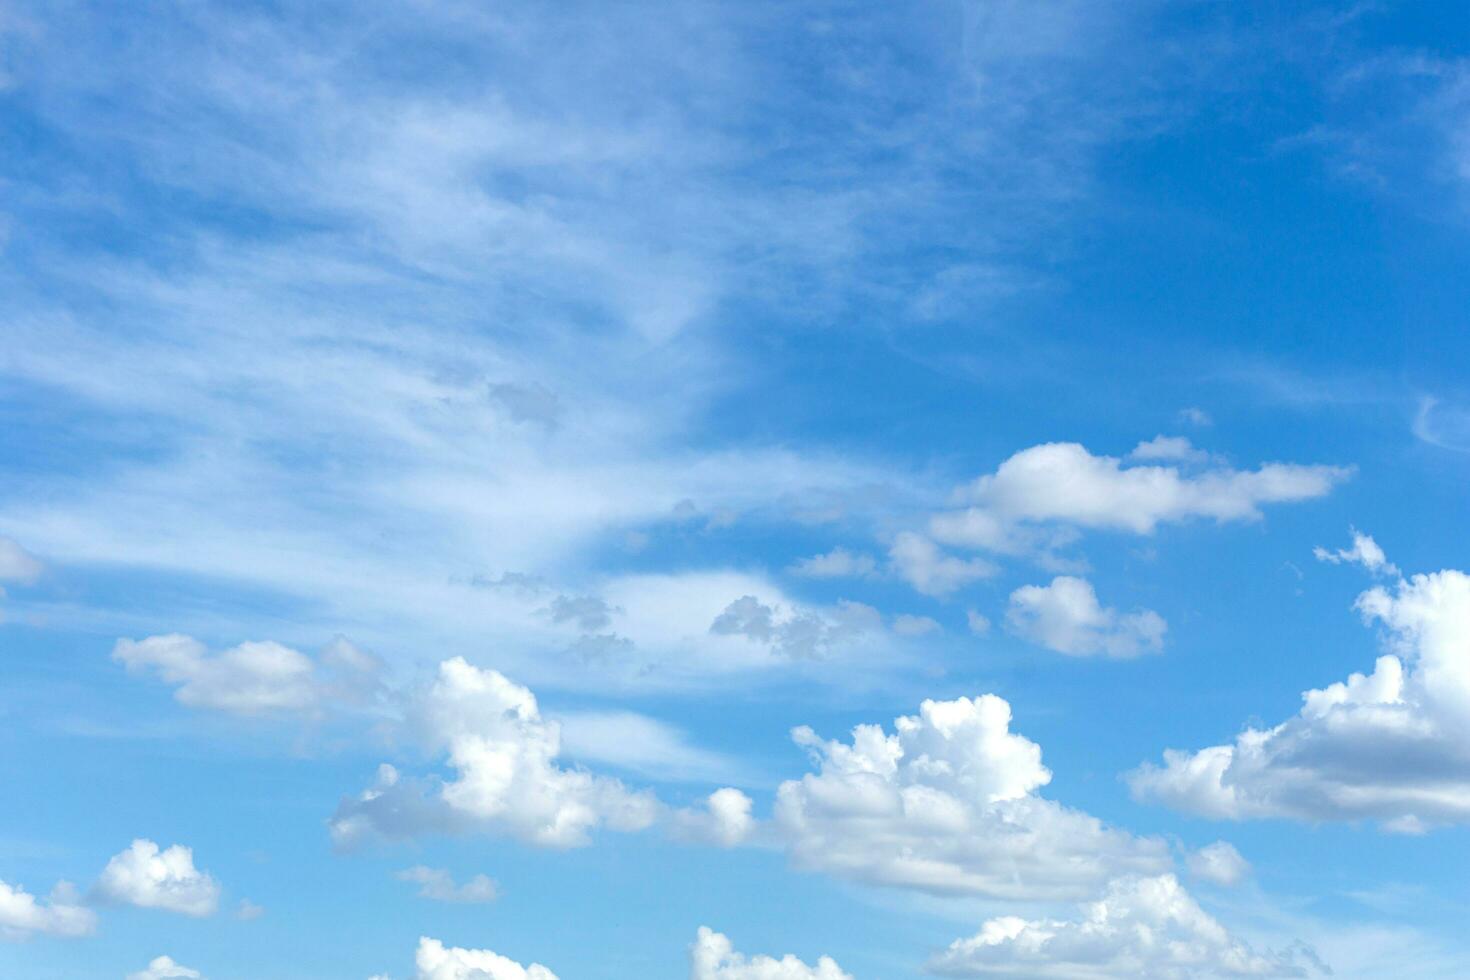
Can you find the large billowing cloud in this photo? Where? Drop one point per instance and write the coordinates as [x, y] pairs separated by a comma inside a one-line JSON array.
[[713, 957], [1143, 928], [1042, 491], [947, 803], [507, 780], [23, 915], [254, 677], [1065, 616], [1392, 745], [154, 878]]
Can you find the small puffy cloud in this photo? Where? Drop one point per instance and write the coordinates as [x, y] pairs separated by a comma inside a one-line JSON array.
[[435, 961], [1066, 616], [507, 780], [1196, 417], [439, 885], [1218, 863], [252, 678], [724, 819], [1175, 448], [978, 623], [22, 915], [248, 911], [18, 564], [905, 624], [797, 633], [164, 968], [837, 563], [713, 957], [1391, 746], [1144, 928], [922, 564], [1365, 551], [145, 876], [947, 804], [1062, 484]]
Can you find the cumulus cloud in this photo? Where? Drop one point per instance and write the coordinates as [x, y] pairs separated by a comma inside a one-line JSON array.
[[947, 804], [713, 957], [795, 632], [1020, 507], [1365, 551], [164, 968], [18, 564], [1143, 928], [1219, 863], [435, 961], [145, 876], [439, 885], [724, 819], [507, 780], [22, 915], [922, 564], [255, 677], [1066, 616], [837, 563], [1391, 746]]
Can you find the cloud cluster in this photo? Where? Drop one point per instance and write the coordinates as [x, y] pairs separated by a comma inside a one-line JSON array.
[[149, 877], [255, 677], [1066, 616], [947, 803], [1143, 928], [713, 957], [23, 915], [1391, 746], [506, 777]]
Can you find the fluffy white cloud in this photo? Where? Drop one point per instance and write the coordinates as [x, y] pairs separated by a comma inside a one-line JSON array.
[[1066, 616], [713, 957], [1365, 551], [1219, 863], [18, 564], [1061, 483], [921, 563], [61, 914], [148, 877], [507, 778], [1143, 927], [837, 563], [435, 961], [1391, 746], [164, 968], [947, 804], [724, 819], [439, 885], [252, 678]]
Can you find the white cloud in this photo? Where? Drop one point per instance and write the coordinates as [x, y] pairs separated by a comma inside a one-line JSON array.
[[947, 804], [1391, 746], [713, 957], [164, 968], [248, 911], [906, 624], [252, 678], [18, 564], [1066, 616], [1196, 416], [1175, 448], [920, 562], [507, 780], [837, 563], [439, 885], [1061, 484], [435, 961], [62, 914], [1218, 863], [724, 819], [1365, 551], [1144, 927], [145, 876]]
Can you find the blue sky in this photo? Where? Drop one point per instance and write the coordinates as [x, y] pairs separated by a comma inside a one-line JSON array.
[[744, 491]]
